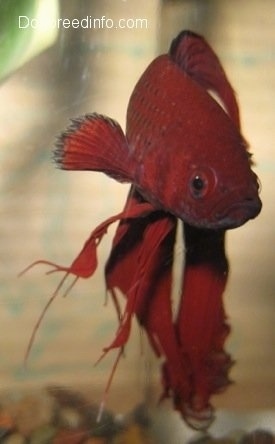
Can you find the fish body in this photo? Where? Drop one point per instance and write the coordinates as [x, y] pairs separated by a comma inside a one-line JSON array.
[[191, 159], [182, 150], [185, 158]]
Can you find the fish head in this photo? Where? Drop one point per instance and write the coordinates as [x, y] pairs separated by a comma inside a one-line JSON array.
[[220, 189], [215, 200]]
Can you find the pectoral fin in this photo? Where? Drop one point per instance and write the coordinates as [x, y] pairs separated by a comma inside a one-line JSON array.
[[95, 142]]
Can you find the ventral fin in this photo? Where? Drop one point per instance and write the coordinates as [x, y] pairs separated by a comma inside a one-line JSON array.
[[95, 142]]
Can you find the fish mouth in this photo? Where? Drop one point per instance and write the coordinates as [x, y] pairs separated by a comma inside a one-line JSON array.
[[238, 213]]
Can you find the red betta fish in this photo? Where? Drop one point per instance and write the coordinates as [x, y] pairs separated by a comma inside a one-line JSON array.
[[186, 159]]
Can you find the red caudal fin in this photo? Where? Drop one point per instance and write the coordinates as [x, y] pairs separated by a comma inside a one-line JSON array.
[[201, 323], [155, 229], [85, 264], [129, 243], [140, 262], [155, 312], [194, 56], [140, 265], [95, 142], [125, 247]]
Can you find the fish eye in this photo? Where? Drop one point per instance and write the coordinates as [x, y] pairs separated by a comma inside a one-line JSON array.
[[201, 182], [198, 184]]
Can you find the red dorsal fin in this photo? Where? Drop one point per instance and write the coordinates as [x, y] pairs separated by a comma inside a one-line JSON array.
[[95, 142], [195, 57]]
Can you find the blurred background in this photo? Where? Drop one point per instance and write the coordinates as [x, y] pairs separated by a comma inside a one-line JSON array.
[[49, 76]]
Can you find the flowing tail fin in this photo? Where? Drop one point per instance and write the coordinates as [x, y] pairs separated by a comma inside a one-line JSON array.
[[195, 57], [201, 323], [95, 142]]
